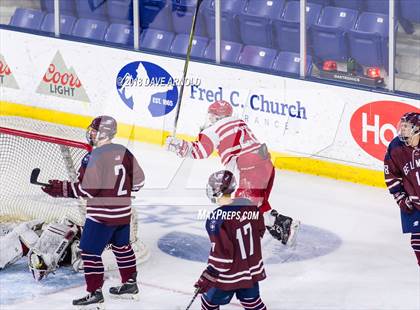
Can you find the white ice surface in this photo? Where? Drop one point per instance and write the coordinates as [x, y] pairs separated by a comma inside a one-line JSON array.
[[373, 268]]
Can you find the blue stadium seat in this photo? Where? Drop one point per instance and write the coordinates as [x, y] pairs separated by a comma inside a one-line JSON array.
[[120, 33], [91, 9], [255, 21], [66, 7], [289, 62], [120, 11], [287, 28], [27, 18], [180, 45], [66, 23], [182, 14], [329, 35], [90, 29], [257, 56], [156, 39], [410, 10], [229, 19], [155, 14], [378, 6], [230, 51], [321, 2], [368, 41], [350, 4]]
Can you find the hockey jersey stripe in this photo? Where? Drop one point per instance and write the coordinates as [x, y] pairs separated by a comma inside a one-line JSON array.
[[219, 269], [84, 192], [112, 210], [245, 150], [248, 277], [100, 215], [221, 260], [242, 272], [228, 124], [394, 184]]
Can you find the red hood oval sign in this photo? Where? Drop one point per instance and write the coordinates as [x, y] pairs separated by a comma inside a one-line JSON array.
[[374, 125]]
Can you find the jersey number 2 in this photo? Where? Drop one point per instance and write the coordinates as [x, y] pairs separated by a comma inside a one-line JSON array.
[[247, 231], [117, 169]]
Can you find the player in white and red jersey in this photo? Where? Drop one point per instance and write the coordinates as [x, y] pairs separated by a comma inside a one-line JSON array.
[[238, 148], [106, 178]]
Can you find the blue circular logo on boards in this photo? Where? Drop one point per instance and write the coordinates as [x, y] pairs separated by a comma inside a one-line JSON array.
[[311, 242], [147, 89]]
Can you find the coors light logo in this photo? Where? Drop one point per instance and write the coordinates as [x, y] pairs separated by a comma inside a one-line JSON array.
[[6, 76], [62, 82]]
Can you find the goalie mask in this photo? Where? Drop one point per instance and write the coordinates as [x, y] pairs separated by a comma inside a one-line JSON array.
[[220, 183], [102, 128], [409, 127]]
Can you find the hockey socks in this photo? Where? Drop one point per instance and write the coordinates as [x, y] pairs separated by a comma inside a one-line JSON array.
[[415, 244], [253, 304], [94, 271], [126, 261]]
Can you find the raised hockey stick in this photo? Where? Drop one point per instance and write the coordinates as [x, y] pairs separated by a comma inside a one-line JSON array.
[[193, 298], [187, 60], [34, 177]]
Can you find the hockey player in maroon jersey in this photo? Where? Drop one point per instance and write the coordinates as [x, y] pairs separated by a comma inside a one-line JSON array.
[[235, 264], [238, 148], [107, 177], [402, 175]]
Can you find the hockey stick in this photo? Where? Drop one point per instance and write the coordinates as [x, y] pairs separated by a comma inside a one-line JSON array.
[[34, 177], [187, 60], [193, 298]]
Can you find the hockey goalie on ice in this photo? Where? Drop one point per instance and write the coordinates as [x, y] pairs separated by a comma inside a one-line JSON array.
[[47, 246]]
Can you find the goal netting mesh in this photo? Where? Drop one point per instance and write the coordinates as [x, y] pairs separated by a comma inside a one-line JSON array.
[[57, 150]]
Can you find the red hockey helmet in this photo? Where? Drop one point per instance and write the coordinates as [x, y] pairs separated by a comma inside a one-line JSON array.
[[408, 127], [102, 128], [220, 183], [220, 108]]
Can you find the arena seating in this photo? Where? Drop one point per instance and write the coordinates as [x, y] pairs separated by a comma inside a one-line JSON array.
[[258, 33]]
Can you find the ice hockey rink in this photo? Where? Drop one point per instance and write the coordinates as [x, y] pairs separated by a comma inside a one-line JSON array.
[[350, 252]]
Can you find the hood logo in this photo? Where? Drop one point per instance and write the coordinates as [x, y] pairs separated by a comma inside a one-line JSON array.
[[6, 76], [147, 89], [61, 81], [374, 125]]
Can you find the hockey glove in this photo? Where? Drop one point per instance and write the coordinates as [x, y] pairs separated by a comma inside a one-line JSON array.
[[178, 146], [207, 280], [283, 228], [405, 204], [56, 188]]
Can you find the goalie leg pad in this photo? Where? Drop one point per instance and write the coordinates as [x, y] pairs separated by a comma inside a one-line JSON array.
[[10, 249], [50, 248], [15, 244]]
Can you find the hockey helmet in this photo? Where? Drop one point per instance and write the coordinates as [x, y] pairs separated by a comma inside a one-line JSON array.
[[220, 183], [102, 128], [408, 127], [220, 108]]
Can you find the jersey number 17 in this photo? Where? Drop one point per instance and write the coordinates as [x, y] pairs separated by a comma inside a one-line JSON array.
[[247, 229]]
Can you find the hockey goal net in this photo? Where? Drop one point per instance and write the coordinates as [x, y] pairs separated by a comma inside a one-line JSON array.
[[57, 150]]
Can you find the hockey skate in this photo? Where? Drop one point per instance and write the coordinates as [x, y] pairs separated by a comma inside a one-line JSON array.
[[129, 290], [284, 229], [92, 301]]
